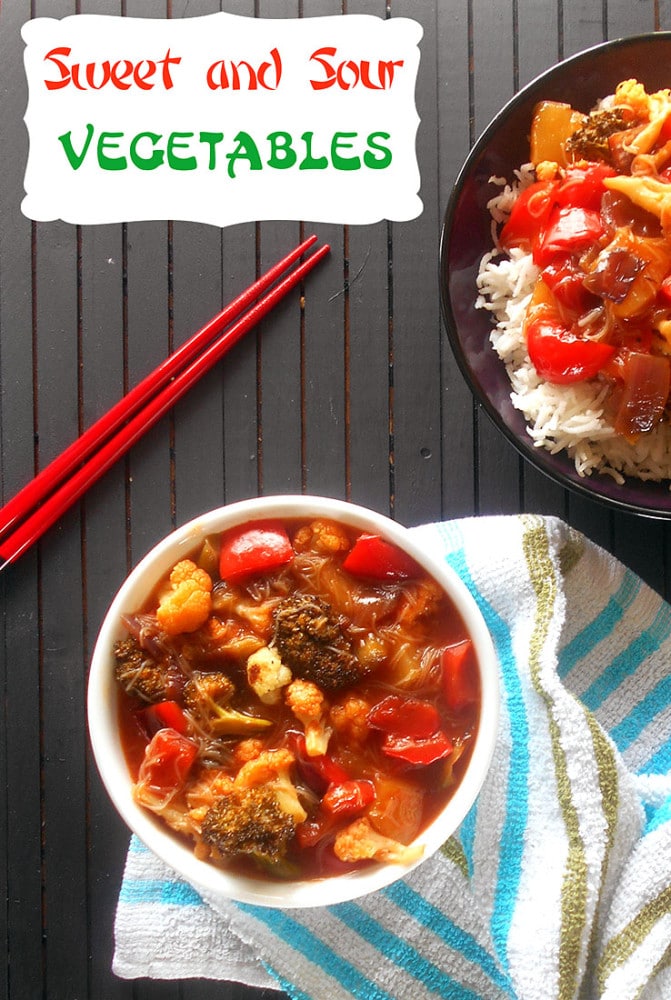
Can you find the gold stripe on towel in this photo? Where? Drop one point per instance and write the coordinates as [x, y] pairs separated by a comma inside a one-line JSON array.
[[574, 888]]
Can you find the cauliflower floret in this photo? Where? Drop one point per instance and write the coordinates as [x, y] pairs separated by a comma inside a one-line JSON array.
[[634, 95], [322, 536], [246, 750], [359, 842], [187, 604], [546, 170], [273, 769], [348, 718], [651, 107], [204, 792], [310, 707], [267, 675]]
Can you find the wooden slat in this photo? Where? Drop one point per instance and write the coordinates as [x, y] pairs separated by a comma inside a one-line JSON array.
[[324, 353], [363, 307], [494, 78], [239, 374], [20, 850], [583, 25], [457, 408], [416, 329], [57, 339]]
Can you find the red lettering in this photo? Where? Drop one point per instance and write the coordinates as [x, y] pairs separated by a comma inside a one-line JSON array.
[[348, 73], [123, 74], [65, 75], [228, 75]]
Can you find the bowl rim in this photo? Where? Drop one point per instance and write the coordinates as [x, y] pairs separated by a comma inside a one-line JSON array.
[[216, 884], [538, 458]]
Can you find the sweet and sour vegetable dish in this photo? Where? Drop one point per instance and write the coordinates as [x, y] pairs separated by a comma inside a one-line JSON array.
[[597, 221], [297, 699]]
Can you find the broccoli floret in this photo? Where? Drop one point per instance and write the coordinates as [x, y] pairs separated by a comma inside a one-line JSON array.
[[360, 842], [249, 821], [259, 814], [272, 768], [141, 675], [590, 140], [312, 642], [206, 698]]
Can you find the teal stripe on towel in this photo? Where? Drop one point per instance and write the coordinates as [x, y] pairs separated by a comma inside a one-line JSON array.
[[137, 891], [397, 950], [600, 627], [430, 916], [313, 948], [629, 660], [659, 816], [659, 763], [642, 714], [287, 986], [511, 847]]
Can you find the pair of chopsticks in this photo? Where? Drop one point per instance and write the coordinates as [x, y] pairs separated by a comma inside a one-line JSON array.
[[42, 501]]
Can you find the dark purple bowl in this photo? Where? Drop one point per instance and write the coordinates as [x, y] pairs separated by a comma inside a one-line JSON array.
[[504, 145]]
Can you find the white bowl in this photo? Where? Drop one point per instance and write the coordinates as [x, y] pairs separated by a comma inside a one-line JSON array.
[[104, 730]]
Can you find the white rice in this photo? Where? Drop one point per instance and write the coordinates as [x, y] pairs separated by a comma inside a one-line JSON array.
[[559, 417]]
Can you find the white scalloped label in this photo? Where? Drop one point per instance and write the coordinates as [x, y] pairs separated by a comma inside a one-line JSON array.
[[222, 119]]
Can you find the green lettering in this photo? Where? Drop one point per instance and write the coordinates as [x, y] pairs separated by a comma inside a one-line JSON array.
[[211, 138], [245, 150], [180, 162], [340, 141], [309, 162], [76, 159], [151, 162], [369, 157], [282, 153], [105, 142]]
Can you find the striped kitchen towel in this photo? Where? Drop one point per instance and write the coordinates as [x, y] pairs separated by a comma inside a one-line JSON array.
[[558, 883]]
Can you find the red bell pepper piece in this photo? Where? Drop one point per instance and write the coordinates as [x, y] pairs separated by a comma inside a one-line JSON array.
[[559, 356], [373, 557], [569, 230], [529, 215], [167, 761], [319, 771], [583, 187], [665, 131], [417, 751], [254, 548], [459, 673], [566, 284], [311, 831], [665, 290], [404, 716], [163, 715], [348, 797]]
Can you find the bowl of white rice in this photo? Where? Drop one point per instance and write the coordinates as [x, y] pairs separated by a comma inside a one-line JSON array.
[[562, 429]]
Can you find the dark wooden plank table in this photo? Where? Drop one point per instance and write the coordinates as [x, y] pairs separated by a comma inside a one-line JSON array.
[[352, 393]]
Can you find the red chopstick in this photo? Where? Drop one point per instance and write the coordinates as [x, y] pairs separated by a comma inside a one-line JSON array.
[[42, 501], [45, 481]]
